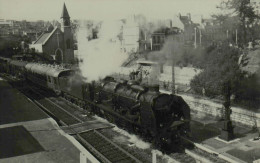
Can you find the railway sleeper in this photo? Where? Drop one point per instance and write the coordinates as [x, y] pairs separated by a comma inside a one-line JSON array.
[[120, 159], [108, 150], [118, 156]]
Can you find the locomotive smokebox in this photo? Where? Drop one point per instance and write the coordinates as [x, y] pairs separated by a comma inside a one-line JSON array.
[[154, 87]]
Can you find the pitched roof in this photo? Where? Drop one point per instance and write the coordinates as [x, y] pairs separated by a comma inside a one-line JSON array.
[[42, 38], [45, 37], [64, 13]]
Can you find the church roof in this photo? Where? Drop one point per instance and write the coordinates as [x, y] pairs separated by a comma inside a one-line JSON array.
[[42, 38], [64, 13], [45, 37]]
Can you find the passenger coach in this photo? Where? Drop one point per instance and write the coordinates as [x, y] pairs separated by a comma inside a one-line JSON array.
[[46, 75]]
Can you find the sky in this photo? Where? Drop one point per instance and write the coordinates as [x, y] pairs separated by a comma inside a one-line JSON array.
[[105, 9]]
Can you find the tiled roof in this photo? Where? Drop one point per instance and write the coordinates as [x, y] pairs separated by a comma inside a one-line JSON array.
[[45, 37]]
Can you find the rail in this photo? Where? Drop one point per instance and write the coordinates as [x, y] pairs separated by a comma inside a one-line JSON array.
[[106, 150]]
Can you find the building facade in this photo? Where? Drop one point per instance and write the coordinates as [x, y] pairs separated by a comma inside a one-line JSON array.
[[57, 42]]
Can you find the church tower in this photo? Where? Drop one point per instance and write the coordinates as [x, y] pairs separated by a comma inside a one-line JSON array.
[[68, 55]]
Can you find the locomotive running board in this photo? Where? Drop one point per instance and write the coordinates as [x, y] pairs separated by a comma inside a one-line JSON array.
[[86, 126]]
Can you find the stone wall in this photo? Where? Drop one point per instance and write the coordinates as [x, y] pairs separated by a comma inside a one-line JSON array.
[[182, 75], [215, 109]]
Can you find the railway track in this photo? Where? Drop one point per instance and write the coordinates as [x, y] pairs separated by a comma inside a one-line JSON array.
[[101, 146], [63, 116], [106, 150]]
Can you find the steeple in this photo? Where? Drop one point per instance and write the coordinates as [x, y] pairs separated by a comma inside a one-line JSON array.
[[64, 13]]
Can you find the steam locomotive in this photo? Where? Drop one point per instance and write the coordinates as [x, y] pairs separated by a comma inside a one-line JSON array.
[[160, 118]]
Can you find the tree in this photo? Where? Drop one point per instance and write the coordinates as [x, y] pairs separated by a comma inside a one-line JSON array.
[[244, 10], [220, 67]]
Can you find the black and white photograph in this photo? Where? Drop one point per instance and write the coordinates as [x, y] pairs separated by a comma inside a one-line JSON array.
[[129, 81]]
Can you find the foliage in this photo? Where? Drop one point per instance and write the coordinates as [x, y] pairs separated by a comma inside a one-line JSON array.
[[220, 66], [249, 91], [244, 10], [174, 52], [9, 46]]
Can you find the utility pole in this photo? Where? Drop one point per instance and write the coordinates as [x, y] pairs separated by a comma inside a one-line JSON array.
[[227, 133], [227, 34], [173, 78], [151, 41], [200, 36], [236, 36], [145, 41], [195, 43]]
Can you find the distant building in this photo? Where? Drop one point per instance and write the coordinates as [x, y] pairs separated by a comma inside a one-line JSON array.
[[130, 37], [157, 40], [190, 29], [57, 42], [6, 23]]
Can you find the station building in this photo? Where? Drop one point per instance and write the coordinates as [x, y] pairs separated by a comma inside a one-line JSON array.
[[57, 42]]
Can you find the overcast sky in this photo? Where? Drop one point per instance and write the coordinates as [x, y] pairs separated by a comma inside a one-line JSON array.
[[105, 9]]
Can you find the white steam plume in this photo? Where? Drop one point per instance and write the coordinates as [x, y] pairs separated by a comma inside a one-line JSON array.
[[102, 56]]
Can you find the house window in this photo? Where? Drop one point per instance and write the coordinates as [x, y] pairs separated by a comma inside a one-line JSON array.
[[68, 43]]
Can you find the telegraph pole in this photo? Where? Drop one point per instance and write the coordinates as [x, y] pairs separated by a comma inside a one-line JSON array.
[[227, 133], [236, 36], [195, 43], [200, 36]]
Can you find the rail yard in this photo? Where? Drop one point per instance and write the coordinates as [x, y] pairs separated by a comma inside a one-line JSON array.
[[141, 82], [96, 135]]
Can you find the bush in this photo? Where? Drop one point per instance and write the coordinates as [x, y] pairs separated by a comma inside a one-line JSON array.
[[220, 67]]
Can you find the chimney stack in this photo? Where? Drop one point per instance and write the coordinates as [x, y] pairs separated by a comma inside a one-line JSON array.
[[189, 16]]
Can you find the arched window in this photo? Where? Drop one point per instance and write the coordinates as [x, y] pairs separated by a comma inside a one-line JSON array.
[[58, 56], [68, 43]]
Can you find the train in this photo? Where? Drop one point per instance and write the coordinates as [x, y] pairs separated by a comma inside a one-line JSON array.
[[159, 118]]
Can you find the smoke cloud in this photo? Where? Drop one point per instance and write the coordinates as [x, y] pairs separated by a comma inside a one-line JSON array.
[[102, 56]]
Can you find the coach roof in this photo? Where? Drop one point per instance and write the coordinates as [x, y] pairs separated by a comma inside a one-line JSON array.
[[37, 68], [43, 69], [57, 72], [18, 63]]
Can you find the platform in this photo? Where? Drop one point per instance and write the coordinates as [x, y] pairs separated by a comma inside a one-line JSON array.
[[28, 135], [15, 107], [242, 149]]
